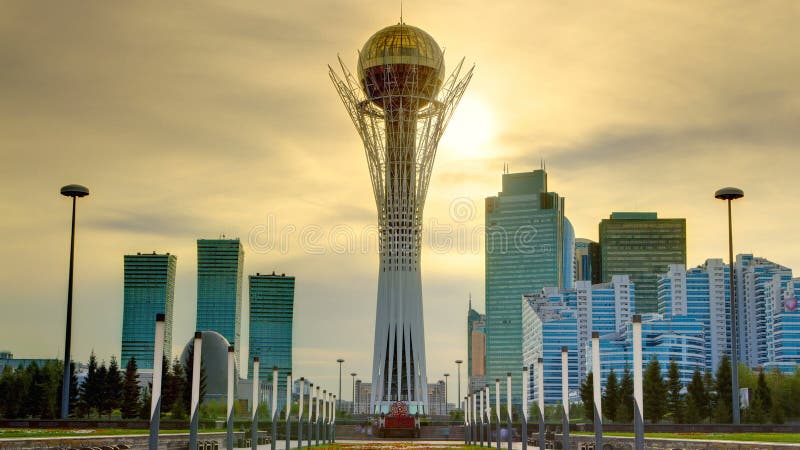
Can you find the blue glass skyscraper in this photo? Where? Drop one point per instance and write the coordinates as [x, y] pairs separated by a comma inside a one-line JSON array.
[[524, 253], [149, 290], [271, 318], [219, 288]]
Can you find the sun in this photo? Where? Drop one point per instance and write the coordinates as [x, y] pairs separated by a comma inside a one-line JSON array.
[[470, 129]]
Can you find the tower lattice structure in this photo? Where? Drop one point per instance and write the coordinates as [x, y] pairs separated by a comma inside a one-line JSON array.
[[400, 104]]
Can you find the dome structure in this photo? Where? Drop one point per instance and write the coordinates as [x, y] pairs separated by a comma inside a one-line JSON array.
[[214, 355], [401, 61]]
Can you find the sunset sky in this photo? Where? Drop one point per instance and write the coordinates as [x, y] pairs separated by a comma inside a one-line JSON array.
[[197, 119]]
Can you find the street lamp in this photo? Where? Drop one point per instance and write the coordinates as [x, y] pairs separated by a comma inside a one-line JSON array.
[[74, 191], [340, 361], [458, 363], [729, 194], [354, 392], [445, 393]]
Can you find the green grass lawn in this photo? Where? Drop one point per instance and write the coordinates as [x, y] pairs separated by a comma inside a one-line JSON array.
[[791, 438]]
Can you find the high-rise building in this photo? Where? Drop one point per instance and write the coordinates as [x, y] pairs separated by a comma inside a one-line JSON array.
[[7, 360], [679, 339], [641, 245], [525, 243], [271, 316], [476, 349], [219, 289], [759, 285], [703, 294], [149, 289], [587, 261], [556, 318], [784, 339], [400, 102]]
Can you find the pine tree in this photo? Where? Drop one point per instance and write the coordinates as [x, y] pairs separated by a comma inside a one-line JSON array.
[[73, 389], [587, 396], [611, 397], [675, 401], [625, 395], [655, 392], [112, 389], [696, 399], [761, 404], [168, 393], [102, 377], [144, 403], [710, 386], [89, 389], [130, 391], [723, 406], [177, 388]]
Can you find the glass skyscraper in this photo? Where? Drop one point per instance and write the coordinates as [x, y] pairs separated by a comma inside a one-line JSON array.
[[641, 245], [271, 317], [476, 349], [587, 261], [525, 241], [219, 288], [149, 290]]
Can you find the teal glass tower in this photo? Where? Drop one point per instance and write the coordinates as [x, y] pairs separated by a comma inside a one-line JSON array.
[[219, 288], [525, 241], [271, 316], [149, 290]]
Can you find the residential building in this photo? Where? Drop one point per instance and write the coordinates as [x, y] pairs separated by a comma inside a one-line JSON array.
[[784, 349], [271, 318], [703, 294], [219, 289], [641, 245], [149, 289]]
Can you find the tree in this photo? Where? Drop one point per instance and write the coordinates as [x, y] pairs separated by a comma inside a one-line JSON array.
[[675, 402], [112, 388], [724, 404], [625, 395], [696, 399], [611, 396], [761, 404], [177, 388], [102, 379], [144, 403], [130, 391], [587, 396], [89, 390], [710, 386], [655, 392], [169, 394]]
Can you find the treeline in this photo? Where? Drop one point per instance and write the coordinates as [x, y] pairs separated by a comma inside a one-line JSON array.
[[35, 392], [707, 398]]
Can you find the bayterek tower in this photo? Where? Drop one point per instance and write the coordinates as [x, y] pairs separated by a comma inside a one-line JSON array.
[[400, 103]]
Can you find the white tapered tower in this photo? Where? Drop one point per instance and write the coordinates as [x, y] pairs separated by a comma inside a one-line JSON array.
[[400, 103]]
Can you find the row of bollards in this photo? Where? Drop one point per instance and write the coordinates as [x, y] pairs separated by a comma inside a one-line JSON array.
[[321, 411], [478, 413]]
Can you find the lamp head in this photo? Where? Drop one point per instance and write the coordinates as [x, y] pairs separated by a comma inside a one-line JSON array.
[[729, 193], [74, 190]]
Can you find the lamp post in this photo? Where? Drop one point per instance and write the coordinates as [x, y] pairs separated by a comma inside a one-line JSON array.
[[340, 361], [354, 393], [458, 364], [729, 194], [445, 393], [74, 191]]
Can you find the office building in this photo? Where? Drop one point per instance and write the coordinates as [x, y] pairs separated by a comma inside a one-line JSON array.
[[149, 289], [7, 360], [587, 261], [525, 242], [476, 349], [271, 317], [641, 245], [219, 289]]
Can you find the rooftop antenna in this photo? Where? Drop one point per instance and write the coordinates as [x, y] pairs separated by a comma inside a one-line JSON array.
[[470, 300], [401, 12]]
